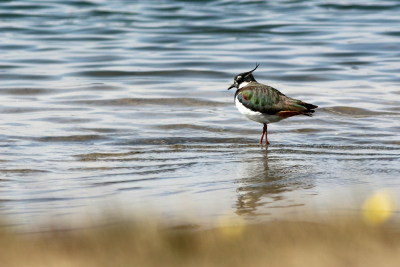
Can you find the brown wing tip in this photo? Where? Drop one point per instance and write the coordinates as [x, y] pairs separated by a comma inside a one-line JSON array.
[[287, 114]]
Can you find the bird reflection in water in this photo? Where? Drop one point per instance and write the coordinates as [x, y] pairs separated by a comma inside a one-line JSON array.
[[265, 180]]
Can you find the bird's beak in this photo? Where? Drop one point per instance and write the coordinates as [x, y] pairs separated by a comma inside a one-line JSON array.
[[233, 85]]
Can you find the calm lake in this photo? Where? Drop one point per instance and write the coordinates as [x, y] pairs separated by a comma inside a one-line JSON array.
[[122, 105]]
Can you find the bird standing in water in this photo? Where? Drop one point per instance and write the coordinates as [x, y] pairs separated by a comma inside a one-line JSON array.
[[265, 104]]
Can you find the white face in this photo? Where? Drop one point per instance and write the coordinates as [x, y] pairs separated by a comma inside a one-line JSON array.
[[243, 84]]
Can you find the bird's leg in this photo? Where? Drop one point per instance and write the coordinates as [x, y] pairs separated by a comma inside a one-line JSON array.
[[264, 132], [266, 137], [262, 137]]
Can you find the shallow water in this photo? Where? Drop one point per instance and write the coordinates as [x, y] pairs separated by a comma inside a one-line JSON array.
[[123, 105]]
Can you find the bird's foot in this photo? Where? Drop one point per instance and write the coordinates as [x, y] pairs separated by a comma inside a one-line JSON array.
[[266, 143]]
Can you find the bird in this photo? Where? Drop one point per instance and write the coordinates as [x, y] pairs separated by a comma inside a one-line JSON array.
[[265, 104]]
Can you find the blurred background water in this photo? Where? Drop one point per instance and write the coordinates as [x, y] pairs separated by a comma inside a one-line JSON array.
[[123, 105]]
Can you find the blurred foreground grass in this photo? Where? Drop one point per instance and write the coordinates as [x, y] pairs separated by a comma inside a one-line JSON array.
[[335, 242]]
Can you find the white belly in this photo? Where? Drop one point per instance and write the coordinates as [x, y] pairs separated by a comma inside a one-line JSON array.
[[255, 115]]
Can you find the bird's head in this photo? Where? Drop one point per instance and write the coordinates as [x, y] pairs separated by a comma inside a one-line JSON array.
[[243, 79]]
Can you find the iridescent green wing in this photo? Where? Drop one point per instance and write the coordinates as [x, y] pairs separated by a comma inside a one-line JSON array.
[[267, 100]]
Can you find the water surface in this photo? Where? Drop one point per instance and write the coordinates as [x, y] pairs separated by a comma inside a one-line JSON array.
[[124, 104]]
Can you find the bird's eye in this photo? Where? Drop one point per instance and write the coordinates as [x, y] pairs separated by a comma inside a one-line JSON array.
[[239, 77]]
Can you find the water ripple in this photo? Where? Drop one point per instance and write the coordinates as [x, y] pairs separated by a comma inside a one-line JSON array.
[[106, 101]]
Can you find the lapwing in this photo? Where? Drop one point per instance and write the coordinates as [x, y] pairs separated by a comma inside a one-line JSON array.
[[265, 104]]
